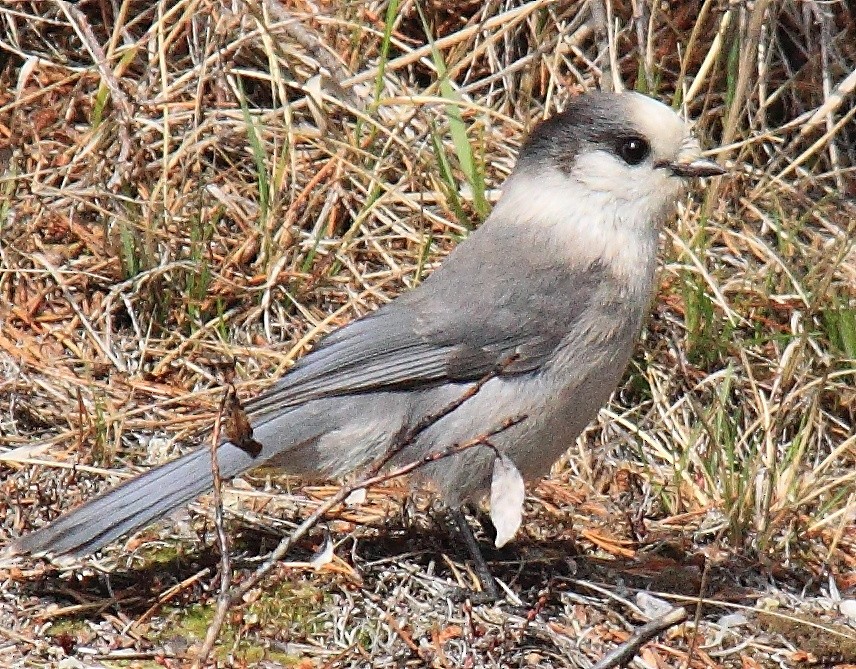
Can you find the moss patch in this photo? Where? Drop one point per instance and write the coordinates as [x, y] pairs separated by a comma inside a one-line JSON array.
[[284, 613]]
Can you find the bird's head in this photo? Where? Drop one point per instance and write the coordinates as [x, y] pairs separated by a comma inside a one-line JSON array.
[[623, 153]]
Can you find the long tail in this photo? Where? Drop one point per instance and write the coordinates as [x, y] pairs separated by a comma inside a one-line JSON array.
[[134, 503]]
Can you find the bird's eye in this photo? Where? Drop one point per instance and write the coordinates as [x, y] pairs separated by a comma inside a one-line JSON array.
[[633, 150]]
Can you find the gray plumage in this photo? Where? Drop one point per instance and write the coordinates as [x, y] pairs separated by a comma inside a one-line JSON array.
[[560, 274]]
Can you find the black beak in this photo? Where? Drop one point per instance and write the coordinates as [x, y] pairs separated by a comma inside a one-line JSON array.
[[700, 167]]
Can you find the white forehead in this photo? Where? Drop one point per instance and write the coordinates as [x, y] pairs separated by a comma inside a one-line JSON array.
[[666, 131]]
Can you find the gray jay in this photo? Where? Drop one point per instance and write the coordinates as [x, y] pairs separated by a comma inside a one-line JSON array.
[[557, 280]]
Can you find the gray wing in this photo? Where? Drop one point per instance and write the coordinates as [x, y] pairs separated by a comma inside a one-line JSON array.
[[450, 329]]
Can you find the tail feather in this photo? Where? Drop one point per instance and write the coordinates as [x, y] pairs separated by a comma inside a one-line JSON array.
[[134, 503], [298, 440]]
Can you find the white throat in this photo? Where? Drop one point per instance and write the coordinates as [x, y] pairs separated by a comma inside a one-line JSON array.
[[585, 225]]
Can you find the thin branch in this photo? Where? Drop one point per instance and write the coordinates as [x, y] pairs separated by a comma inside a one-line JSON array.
[[286, 544], [628, 650], [401, 441], [705, 578], [408, 436], [224, 600]]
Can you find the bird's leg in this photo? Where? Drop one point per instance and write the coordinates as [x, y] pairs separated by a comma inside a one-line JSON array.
[[490, 589], [484, 521]]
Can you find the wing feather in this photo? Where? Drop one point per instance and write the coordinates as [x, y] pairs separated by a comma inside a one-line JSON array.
[[431, 335]]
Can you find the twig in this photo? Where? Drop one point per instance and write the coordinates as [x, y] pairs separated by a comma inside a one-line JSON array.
[[705, 577], [286, 544], [119, 656], [224, 599], [401, 440], [627, 651], [165, 597], [409, 435]]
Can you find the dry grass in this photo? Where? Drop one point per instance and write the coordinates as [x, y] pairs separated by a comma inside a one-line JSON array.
[[193, 192]]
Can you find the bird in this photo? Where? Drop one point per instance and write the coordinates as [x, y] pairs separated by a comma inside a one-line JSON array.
[[540, 307]]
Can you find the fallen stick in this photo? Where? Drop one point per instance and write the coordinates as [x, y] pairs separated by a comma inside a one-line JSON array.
[[628, 650]]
